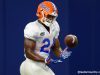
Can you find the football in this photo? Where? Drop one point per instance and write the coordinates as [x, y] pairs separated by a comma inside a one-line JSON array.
[[71, 40]]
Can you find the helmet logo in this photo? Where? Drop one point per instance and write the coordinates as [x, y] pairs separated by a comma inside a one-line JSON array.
[[44, 7]]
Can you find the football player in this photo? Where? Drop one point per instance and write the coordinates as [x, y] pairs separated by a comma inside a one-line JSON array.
[[41, 36]]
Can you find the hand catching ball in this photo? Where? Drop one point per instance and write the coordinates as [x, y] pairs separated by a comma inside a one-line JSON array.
[[71, 41]]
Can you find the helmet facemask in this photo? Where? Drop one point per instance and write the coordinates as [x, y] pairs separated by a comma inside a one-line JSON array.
[[48, 20]]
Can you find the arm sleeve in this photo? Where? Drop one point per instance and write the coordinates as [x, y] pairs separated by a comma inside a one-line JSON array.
[[30, 31]]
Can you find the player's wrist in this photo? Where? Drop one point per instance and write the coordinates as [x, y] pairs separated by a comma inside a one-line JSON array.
[[45, 60], [48, 60]]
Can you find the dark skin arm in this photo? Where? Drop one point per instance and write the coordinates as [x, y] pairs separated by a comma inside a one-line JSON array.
[[56, 48], [29, 46]]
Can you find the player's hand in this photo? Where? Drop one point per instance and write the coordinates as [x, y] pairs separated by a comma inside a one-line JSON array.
[[56, 61], [49, 60], [65, 53]]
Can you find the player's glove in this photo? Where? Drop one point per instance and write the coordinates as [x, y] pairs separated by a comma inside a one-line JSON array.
[[65, 53], [49, 60], [56, 61]]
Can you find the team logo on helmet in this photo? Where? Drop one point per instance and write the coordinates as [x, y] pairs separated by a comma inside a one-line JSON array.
[[44, 7]]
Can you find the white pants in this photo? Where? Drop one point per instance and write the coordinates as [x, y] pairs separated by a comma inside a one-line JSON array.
[[29, 67]]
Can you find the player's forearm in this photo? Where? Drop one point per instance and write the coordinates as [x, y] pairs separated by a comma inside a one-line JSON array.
[[57, 51], [57, 48], [34, 56]]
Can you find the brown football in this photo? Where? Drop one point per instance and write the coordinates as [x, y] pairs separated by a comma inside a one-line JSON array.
[[71, 41]]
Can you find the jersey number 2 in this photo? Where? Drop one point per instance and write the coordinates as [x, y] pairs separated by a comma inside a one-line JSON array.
[[45, 46]]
